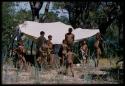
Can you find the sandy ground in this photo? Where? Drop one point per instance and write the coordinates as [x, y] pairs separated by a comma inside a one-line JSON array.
[[11, 75]]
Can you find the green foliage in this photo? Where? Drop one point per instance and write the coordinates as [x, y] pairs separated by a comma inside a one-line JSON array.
[[58, 5], [64, 19], [50, 17], [112, 32], [7, 22], [23, 15], [10, 19]]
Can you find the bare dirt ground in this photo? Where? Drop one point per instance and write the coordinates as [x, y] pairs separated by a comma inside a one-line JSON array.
[[86, 74]]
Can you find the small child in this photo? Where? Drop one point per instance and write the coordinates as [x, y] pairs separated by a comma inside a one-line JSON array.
[[50, 50], [97, 49], [69, 61], [20, 52], [84, 50], [64, 51]]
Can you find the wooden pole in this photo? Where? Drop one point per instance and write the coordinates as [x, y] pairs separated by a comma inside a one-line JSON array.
[[32, 48]]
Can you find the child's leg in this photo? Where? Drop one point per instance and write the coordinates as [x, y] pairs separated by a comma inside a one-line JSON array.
[[52, 58], [67, 68], [63, 60], [71, 68], [86, 59], [24, 63], [24, 60], [97, 60], [20, 64], [98, 55]]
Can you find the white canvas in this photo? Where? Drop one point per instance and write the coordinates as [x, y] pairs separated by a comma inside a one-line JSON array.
[[56, 29]]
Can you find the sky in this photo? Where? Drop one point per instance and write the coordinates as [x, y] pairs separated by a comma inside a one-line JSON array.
[[26, 6]]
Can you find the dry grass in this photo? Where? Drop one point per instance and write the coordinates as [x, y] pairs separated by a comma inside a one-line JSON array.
[[108, 63], [34, 76]]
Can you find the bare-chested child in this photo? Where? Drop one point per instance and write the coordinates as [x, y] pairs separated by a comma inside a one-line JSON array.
[[64, 51], [50, 50], [69, 61], [84, 50], [20, 52], [42, 53], [97, 49], [69, 37]]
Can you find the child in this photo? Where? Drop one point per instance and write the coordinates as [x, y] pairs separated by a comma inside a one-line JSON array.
[[20, 52], [69, 61], [43, 53], [97, 49], [64, 51], [84, 50], [50, 50]]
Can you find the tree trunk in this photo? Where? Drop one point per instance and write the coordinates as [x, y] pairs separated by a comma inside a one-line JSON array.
[[31, 48], [35, 8]]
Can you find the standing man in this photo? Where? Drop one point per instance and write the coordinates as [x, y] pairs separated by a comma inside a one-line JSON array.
[[41, 41], [69, 37]]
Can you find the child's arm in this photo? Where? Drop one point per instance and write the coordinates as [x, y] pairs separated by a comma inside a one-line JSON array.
[[81, 49], [66, 56], [86, 50]]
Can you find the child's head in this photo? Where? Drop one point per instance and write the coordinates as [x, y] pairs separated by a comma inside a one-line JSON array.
[[50, 37], [98, 35], [84, 41]]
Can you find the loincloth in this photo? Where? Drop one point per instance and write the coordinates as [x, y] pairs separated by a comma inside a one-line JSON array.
[[69, 64], [83, 54]]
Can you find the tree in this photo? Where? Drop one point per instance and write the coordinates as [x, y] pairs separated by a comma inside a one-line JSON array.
[[7, 22], [10, 20], [80, 14], [23, 15], [35, 8], [49, 17], [93, 14]]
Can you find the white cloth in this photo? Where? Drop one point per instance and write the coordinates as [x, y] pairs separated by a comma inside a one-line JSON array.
[[56, 29], [83, 54]]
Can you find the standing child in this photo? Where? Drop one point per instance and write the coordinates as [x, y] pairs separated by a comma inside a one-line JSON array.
[[64, 51], [84, 50], [20, 52], [97, 49], [69, 61], [50, 50]]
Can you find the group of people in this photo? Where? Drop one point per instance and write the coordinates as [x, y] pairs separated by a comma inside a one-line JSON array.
[[45, 52], [97, 49]]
